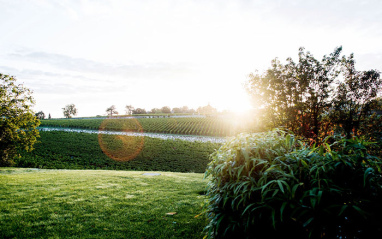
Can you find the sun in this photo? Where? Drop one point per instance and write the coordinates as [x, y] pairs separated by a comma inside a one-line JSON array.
[[237, 102], [242, 106]]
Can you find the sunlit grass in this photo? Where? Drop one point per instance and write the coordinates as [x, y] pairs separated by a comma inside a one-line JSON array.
[[99, 204]]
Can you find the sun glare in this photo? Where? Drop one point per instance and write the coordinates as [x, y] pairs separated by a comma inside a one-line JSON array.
[[238, 103]]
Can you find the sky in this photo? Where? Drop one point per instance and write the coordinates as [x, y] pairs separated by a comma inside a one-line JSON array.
[[150, 54]]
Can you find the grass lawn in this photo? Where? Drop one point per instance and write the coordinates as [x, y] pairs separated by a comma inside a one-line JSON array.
[[99, 204]]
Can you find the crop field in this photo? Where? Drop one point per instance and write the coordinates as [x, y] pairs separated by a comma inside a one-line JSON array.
[[68, 150], [209, 126], [37, 203]]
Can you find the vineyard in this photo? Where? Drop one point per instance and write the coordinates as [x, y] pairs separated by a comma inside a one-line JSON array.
[[209, 126], [67, 150], [119, 150]]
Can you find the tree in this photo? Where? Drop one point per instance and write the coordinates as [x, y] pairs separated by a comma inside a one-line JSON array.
[[155, 110], [40, 115], [355, 97], [177, 110], [49, 117], [129, 109], [310, 98], [295, 95], [166, 110], [139, 111], [111, 110], [185, 109], [18, 124], [69, 111], [208, 109]]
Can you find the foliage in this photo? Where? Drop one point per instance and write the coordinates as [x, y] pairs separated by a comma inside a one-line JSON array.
[[40, 115], [207, 110], [183, 109], [355, 98], [67, 150], [139, 111], [155, 110], [177, 110], [129, 109], [309, 98], [69, 110], [166, 110], [271, 185], [111, 110], [99, 204], [17, 123]]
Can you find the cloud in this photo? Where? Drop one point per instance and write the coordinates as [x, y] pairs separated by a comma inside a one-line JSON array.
[[62, 63], [58, 79], [47, 82]]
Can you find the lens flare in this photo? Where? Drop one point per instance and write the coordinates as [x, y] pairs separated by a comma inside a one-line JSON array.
[[121, 147]]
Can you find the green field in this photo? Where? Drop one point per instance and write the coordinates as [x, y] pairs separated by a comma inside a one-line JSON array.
[[68, 150], [209, 126], [100, 204], [38, 202]]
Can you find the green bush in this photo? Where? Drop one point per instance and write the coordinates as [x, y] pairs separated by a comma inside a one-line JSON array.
[[271, 185]]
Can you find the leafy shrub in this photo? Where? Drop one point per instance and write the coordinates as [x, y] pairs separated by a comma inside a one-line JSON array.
[[271, 185]]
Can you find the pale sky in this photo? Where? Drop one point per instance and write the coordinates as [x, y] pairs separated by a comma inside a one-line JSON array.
[[149, 54]]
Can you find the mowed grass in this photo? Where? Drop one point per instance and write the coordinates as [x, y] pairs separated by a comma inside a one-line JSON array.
[[100, 204]]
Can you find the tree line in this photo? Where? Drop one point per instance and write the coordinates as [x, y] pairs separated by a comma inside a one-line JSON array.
[[71, 110]]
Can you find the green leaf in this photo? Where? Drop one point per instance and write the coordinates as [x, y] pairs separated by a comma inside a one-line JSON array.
[[219, 220], [343, 209], [308, 222], [366, 174], [275, 192], [303, 162], [280, 186], [360, 211], [273, 218], [319, 196], [294, 189], [282, 210]]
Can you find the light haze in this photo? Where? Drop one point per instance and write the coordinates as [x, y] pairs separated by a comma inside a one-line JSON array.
[[150, 54]]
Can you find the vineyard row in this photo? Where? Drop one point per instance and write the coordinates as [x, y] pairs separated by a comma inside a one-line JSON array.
[[185, 126]]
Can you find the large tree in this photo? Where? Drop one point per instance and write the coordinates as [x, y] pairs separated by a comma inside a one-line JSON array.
[[139, 111], [208, 109], [302, 95], [166, 110], [185, 109], [177, 110], [295, 95], [356, 97], [69, 111], [40, 115], [155, 110], [18, 123], [111, 110], [129, 109]]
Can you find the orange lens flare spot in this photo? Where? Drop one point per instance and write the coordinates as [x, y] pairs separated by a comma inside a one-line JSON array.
[[121, 147]]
